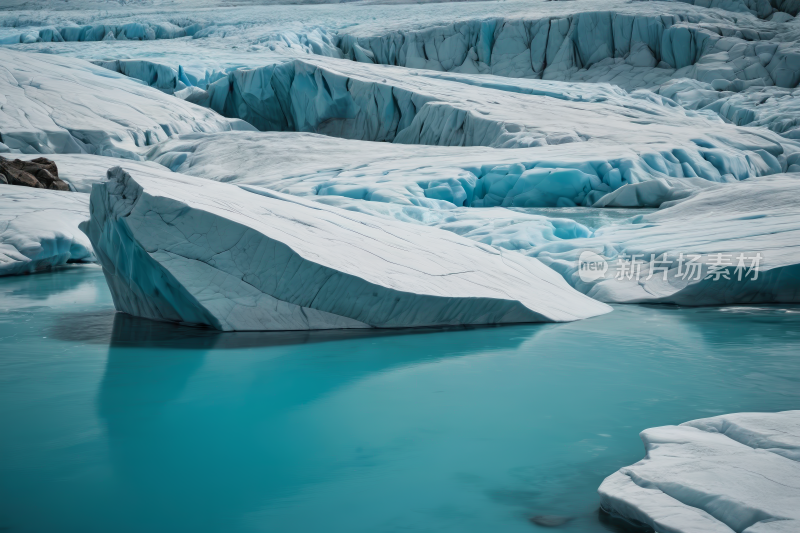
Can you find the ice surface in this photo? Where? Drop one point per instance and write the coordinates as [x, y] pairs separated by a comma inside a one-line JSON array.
[[185, 249], [51, 104], [39, 229], [562, 175], [736, 472], [752, 217]]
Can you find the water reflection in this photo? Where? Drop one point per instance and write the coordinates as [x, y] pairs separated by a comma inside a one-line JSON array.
[[213, 450]]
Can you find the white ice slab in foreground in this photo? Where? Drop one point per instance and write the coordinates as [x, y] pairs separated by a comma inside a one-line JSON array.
[[39, 229], [737, 472], [185, 249]]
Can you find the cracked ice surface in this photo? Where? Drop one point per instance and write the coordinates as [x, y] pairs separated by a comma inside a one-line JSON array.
[[757, 216], [51, 104], [185, 249], [738, 472], [436, 177]]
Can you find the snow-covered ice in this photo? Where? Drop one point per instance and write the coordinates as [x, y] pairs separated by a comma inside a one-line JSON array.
[[562, 175], [39, 229], [754, 218], [505, 107], [738, 472], [185, 249], [52, 104]]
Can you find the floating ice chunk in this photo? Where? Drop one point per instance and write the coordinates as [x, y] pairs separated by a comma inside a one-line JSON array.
[[184, 249], [737, 472], [39, 229]]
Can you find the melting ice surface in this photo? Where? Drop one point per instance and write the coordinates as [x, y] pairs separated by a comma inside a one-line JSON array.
[[127, 425]]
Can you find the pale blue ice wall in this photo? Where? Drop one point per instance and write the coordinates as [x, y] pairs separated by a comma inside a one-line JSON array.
[[651, 49]]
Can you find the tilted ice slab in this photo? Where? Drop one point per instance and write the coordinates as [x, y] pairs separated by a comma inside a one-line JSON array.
[[39, 229], [185, 249], [437, 177], [51, 104], [737, 472]]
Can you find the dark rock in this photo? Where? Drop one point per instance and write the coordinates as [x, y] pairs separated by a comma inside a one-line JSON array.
[[39, 173], [549, 520], [3, 179]]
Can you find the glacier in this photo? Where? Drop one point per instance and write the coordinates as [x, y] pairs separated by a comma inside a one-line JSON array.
[[196, 251], [738, 472], [385, 164], [467, 123]]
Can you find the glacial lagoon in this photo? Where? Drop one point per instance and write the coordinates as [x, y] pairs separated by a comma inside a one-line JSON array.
[[112, 423]]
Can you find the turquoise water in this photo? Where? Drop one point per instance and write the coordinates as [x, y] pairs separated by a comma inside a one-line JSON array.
[[113, 424]]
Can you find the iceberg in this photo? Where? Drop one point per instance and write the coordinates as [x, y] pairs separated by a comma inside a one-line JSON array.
[[738, 472], [184, 249], [39, 229]]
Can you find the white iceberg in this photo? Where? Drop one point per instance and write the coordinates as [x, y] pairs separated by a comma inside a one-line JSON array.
[[737, 472], [39, 229], [184, 249]]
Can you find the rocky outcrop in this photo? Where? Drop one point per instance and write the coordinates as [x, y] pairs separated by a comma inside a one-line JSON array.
[[39, 173]]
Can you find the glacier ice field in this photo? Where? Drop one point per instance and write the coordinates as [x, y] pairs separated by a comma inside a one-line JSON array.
[[291, 166]]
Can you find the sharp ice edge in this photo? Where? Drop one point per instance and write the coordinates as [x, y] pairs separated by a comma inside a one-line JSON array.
[[736, 472], [185, 249]]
